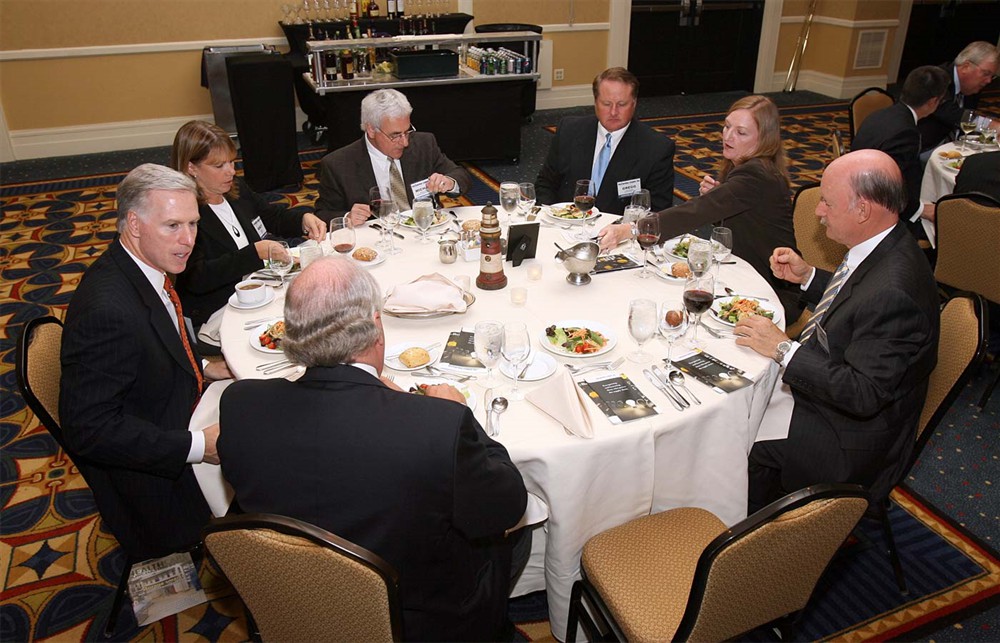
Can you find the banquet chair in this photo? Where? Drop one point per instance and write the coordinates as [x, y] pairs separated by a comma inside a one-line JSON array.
[[302, 583], [961, 348], [682, 575], [813, 244], [865, 104], [836, 144], [968, 244], [39, 370]]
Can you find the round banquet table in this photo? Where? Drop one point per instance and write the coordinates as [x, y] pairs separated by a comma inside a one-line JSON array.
[[939, 178], [697, 457]]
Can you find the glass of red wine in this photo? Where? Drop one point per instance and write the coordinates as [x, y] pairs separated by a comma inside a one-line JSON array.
[[342, 236], [648, 228], [699, 293], [583, 196]]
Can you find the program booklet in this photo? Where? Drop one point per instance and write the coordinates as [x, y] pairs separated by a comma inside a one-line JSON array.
[[460, 350], [712, 371], [612, 263], [619, 398]]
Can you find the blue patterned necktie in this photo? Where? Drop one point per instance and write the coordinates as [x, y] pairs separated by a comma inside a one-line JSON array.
[[602, 164], [829, 295]]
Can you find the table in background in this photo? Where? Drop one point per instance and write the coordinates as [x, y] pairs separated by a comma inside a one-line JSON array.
[[939, 179], [693, 458]]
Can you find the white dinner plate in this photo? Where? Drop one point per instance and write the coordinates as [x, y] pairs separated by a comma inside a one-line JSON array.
[[603, 329], [663, 270], [234, 301], [440, 219], [396, 349], [470, 396], [258, 331], [548, 211], [765, 305], [670, 244], [541, 366], [949, 165], [379, 258]]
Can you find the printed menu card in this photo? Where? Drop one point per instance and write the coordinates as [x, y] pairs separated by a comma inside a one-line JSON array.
[[712, 371], [619, 398], [460, 350]]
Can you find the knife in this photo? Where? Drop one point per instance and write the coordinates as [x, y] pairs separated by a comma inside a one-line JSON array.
[[662, 376], [663, 389], [378, 226]]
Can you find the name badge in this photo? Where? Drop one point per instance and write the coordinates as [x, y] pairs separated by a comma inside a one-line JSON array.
[[420, 190], [629, 187], [258, 225], [822, 338]]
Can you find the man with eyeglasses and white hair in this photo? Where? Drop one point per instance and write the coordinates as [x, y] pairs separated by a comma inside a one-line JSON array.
[[974, 68], [392, 155]]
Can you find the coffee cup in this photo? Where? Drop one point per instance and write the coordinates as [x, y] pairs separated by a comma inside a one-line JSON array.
[[251, 291]]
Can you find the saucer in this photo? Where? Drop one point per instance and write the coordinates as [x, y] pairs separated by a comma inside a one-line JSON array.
[[268, 298]]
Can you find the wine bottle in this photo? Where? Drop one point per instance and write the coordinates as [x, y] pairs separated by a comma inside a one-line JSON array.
[[390, 9], [400, 12], [373, 10]]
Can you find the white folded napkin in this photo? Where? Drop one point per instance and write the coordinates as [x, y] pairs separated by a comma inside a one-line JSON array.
[[215, 488], [565, 402], [426, 294]]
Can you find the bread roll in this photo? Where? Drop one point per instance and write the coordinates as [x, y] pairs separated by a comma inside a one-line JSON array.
[[365, 254], [471, 224], [680, 269], [414, 357]]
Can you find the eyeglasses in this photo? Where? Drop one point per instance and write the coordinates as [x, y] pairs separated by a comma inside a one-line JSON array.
[[985, 73], [395, 138]]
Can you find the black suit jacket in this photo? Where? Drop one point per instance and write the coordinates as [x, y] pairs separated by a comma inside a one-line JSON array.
[[939, 127], [980, 173], [216, 265], [346, 174], [755, 203], [894, 131], [642, 154], [126, 397], [857, 405], [411, 478]]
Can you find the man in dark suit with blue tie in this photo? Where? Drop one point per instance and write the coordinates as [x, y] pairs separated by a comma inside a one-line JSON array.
[[619, 154], [130, 376], [859, 371]]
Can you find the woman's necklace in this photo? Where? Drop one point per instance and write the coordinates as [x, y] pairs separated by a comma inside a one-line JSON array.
[[232, 222]]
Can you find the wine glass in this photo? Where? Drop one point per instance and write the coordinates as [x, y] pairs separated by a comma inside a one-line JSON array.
[[510, 194], [488, 339], [641, 199], [423, 217], [699, 293], [699, 256], [642, 325], [722, 247], [279, 259], [967, 125], [390, 216], [379, 198], [526, 200], [515, 349], [583, 196], [632, 215], [342, 236], [673, 325], [649, 236]]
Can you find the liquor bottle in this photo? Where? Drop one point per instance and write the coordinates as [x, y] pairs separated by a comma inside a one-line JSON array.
[[491, 275], [347, 64], [353, 9], [373, 10], [400, 12], [390, 9]]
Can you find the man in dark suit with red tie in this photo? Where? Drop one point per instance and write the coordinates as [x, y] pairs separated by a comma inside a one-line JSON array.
[[859, 371], [618, 153], [131, 377]]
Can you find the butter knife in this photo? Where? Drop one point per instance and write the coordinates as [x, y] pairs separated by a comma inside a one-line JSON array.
[[378, 226], [662, 376], [663, 389]]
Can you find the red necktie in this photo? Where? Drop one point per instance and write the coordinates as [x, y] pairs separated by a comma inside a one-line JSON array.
[[176, 301]]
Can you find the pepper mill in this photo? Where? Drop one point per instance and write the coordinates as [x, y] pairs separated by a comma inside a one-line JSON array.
[[491, 275]]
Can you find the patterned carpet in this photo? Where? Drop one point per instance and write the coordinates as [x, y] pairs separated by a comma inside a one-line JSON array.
[[60, 566]]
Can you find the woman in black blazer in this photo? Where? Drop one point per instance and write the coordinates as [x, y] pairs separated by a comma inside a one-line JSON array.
[[233, 221], [751, 197]]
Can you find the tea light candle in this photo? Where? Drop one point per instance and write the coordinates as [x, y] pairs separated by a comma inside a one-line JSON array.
[[518, 296], [535, 271]]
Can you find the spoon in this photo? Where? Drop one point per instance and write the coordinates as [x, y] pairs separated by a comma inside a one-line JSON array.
[[499, 406], [677, 379]]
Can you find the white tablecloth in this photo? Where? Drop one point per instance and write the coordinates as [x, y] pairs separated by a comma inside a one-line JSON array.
[[693, 458], [939, 180]]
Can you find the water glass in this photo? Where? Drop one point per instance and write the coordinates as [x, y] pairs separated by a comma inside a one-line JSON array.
[[632, 215], [673, 325], [722, 247], [279, 259], [641, 199], [488, 340], [515, 349], [642, 325], [423, 217], [526, 200], [510, 194], [699, 256]]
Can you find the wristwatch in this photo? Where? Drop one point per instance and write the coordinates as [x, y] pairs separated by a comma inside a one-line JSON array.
[[782, 350]]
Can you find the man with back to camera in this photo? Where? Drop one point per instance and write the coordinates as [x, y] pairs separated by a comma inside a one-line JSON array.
[[617, 152], [412, 478], [894, 130], [974, 68], [131, 377], [859, 371], [392, 155]]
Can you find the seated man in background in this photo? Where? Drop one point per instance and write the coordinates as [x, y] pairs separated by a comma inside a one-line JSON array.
[[412, 478], [974, 68], [391, 155], [980, 173], [618, 153], [859, 371], [130, 376], [894, 131]]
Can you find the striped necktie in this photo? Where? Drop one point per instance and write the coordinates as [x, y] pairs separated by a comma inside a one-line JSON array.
[[396, 187], [829, 295], [176, 301], [603, 158]]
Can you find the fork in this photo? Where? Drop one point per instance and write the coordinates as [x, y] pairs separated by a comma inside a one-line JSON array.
[[593, 367], [436, 372]]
